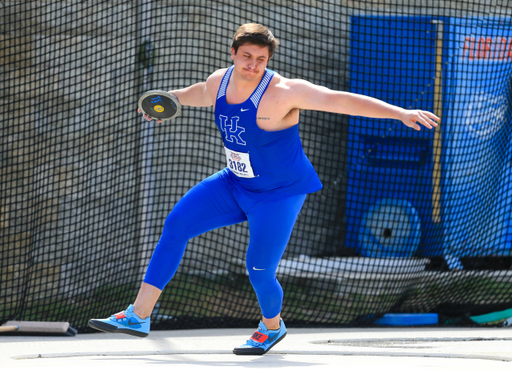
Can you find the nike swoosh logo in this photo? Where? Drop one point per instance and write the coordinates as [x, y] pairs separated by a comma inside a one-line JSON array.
[[135, 323], [273, 338], [243, 110], [254, 268]]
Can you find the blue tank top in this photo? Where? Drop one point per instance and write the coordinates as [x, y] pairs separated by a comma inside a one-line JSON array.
[[268, 165]]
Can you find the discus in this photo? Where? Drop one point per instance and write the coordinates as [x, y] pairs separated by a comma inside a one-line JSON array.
[[160, 105]]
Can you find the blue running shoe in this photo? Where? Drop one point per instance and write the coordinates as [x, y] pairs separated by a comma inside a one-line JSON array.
[[262, 340], [123, 322]]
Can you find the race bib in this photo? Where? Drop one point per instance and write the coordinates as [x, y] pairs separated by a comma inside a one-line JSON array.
[[239, 163]]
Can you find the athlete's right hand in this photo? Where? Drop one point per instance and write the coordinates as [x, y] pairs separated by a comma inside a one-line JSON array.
[[149, 118]]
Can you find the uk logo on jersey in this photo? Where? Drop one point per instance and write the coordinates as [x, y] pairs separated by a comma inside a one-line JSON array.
[[232, 132]]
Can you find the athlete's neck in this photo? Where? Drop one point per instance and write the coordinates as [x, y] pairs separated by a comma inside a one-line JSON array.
[[240, 89]]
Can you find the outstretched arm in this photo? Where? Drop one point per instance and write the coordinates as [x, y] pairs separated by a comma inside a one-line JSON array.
[[196, 95], [314, 97]]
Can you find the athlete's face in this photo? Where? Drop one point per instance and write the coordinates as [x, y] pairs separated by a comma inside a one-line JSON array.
[[250, 61]]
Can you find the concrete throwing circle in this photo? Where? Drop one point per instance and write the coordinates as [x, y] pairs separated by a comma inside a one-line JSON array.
[[483, 348]]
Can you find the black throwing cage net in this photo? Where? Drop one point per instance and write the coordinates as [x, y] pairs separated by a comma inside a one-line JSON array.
[[407, 222]]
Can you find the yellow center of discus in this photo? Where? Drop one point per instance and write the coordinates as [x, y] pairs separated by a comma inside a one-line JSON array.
[[158, 108]]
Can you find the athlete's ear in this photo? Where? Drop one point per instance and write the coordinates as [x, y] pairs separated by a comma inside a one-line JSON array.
[[233, 53]]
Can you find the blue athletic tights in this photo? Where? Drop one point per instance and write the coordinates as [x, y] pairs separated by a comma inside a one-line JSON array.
[[215, 203]]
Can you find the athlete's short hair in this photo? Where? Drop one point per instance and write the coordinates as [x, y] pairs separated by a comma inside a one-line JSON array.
[[254, 34]]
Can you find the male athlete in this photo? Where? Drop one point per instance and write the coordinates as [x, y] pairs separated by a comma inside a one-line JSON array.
[[265, 182]]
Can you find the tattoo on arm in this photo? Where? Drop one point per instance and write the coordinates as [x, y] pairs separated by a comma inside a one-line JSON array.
[[264, 118]]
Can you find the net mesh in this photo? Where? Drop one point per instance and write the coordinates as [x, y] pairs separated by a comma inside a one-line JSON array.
[[407, 222]]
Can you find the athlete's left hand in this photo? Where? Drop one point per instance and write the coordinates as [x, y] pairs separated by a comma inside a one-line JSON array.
[[413, 118]]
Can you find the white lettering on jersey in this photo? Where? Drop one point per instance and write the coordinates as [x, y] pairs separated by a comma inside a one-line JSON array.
[[231, 130]]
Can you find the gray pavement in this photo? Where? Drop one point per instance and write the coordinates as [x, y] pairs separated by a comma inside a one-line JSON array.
[[355, 348]]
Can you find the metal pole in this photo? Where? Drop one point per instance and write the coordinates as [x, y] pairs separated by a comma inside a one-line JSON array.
[[146, 195], [438, 110]]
